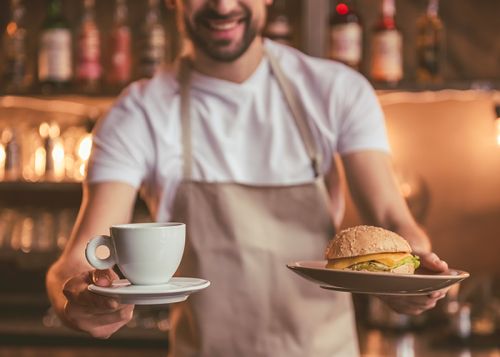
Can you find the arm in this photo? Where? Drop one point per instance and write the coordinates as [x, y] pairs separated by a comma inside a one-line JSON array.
[[380, 203], [378, 199], [103, 205]]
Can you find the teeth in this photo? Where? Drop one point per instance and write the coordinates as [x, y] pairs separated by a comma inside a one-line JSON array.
[[223, 26]]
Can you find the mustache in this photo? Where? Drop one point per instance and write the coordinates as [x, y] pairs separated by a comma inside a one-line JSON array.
[[208, 13]]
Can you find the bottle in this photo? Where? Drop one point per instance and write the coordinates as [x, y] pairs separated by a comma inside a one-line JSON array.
[[346, 42], [13, 165], [429, 45], [55, 68], [119, 64], [15, 77], [88, 61], [278, 27], [387, 41], [152, 41]]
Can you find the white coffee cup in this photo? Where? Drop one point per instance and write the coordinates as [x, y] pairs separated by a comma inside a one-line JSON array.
[[146, 253]]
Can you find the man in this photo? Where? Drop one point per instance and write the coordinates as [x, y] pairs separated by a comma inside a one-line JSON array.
[[235, 142]]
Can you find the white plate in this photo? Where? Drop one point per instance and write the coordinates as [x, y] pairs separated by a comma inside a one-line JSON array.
[[176, 290], [376, 283]]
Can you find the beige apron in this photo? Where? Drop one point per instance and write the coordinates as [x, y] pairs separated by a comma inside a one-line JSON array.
[[240, 237]]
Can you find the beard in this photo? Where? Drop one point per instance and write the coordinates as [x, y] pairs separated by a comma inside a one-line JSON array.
[[221, 49]]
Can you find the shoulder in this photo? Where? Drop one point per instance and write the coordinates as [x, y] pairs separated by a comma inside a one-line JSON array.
[[142, 100], [315, 72], [146, 92]]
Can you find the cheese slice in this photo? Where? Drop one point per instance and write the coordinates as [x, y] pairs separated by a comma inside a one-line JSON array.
[[389, 259]]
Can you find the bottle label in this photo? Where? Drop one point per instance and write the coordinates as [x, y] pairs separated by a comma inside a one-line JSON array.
[[54, 61], [346, 43], [120, 56], [89, 53], [387, 61], [153, 52]]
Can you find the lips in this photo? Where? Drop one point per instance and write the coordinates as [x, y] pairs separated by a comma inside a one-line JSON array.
[[226, 29], [223, 25]]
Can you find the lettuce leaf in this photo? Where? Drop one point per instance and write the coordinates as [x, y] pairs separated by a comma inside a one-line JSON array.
[[412, 259], [375, 266]]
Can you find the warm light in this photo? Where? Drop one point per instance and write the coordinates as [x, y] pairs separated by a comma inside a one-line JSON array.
[[58, 159], [11, 28], [40, 161], [2, 161], [7, 135], [82, 169], [54, 130], [342, 9], [44, 130], [27, 234], [497, 124], [84, 147]]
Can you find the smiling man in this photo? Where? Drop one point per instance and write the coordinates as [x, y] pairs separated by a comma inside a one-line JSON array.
[[236, 142]]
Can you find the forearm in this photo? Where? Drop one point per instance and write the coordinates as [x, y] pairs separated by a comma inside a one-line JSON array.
[[378, 198]]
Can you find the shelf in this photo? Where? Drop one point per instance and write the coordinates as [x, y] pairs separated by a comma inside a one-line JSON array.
[[58, 194]]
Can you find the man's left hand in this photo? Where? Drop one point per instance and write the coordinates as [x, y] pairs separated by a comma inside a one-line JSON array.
[[415, 305]]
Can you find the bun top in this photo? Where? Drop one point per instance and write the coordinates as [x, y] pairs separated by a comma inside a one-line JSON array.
[[363, 240]]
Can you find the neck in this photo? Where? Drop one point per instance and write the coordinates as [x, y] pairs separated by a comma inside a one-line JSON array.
[[237, 71]]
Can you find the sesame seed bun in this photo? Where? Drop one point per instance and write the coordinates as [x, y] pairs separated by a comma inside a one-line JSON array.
[[363, 240]]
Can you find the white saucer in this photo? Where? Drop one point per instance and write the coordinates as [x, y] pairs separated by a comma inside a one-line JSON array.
[[176, 290]]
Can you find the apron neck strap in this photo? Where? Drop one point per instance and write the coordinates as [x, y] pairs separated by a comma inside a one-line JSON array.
[[185, 87], [291, 97], [298, 113]]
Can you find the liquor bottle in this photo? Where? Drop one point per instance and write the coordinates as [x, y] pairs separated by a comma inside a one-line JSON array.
[[118, 71], [278, 27], [429, 44], [15, 76], [55, 67], [346, 42], [88, 61], [13, 166], [387, 41], [152, 41]]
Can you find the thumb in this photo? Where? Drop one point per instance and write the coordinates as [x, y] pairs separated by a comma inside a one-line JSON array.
[[432, 262], [103, 277]]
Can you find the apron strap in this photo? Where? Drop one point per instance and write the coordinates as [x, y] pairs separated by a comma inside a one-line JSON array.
[[185, 87], [291, 98], [298, 114]]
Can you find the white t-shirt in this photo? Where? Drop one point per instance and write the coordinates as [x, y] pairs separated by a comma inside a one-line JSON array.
[[242, 133]]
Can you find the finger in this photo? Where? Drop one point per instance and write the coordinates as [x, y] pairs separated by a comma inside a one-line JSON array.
[[404, 305], [432, 262], [439, 294], [76, 292], [82, 320], [103, 277], [92, 320]]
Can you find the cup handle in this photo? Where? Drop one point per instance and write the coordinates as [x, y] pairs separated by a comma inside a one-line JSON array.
[[91, 248]]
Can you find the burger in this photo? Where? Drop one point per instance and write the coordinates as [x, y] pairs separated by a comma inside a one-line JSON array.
[[368, 248]]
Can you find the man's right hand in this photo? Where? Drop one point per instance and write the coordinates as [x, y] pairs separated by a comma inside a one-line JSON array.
[[98, 315]]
